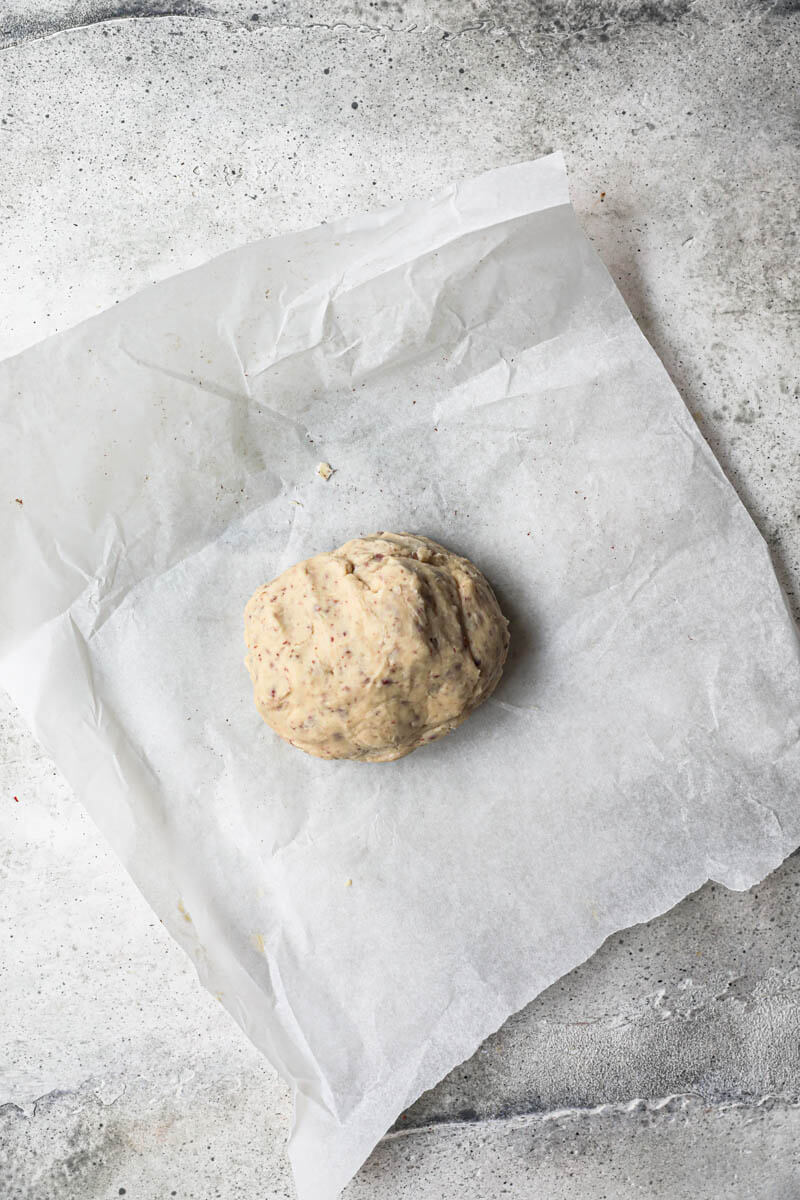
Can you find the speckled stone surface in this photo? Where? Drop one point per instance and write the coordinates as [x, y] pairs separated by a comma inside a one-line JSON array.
[[137, 139]]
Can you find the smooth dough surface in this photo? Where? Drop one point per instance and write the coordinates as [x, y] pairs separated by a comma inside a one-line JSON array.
[[374, 649]]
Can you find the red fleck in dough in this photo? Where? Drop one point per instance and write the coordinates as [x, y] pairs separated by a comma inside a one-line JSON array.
[[426, 645]]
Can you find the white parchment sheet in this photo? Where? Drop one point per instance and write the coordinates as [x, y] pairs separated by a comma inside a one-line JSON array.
[[470, 371]]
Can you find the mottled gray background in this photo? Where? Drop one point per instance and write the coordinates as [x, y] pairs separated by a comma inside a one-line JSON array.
[[137, 139]]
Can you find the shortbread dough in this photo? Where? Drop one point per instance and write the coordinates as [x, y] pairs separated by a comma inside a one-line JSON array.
[[374, 649]]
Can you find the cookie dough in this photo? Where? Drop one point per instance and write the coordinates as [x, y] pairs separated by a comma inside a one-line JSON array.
[[374, 649]]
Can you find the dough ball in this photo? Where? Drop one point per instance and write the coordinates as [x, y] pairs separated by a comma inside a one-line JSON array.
[[374, 649]]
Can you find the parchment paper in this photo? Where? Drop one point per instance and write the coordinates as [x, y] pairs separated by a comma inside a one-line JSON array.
[[470, 371]]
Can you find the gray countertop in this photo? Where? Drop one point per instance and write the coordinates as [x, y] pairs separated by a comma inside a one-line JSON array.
[[137, 139]]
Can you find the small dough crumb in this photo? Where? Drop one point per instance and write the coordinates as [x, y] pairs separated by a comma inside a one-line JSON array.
[[325, 470], [349, 883]]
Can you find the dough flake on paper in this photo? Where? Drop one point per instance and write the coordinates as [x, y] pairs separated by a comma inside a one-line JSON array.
[[374, 649]]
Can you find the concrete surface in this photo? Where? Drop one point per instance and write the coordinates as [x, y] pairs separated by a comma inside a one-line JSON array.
[[137, 139]]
